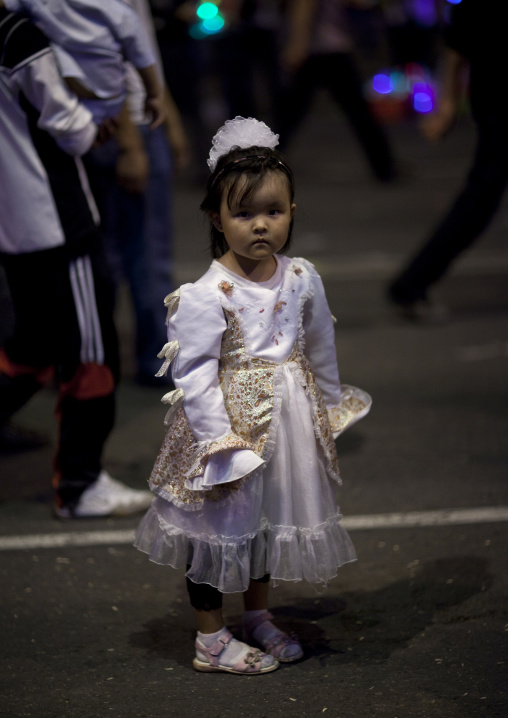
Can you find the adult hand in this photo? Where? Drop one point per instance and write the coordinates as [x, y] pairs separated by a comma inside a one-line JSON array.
[[132, 169], [154, 106], [105, 131]]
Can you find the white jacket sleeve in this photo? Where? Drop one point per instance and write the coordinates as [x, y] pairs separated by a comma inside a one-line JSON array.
[[346, 404], [319, 336], [61, 114], [196, 330]]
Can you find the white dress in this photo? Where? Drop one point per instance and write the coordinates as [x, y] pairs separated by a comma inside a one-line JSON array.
[[245, 479]]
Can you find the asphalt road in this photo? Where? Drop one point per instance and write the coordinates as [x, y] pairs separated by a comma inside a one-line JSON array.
[[417, 627]]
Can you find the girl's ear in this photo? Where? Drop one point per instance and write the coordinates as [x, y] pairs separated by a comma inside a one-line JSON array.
[[293, 210], [215, 220]]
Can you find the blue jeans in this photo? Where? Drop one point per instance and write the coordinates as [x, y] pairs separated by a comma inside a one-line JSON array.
[[137, 232]]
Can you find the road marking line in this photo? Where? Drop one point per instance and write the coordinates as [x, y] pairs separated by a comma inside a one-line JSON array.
[[482, 352], [412, 519]]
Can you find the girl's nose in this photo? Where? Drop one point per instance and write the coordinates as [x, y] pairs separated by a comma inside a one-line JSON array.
[[259, 223]]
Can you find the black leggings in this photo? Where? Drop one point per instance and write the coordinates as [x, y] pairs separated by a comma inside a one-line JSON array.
[[204, 597]]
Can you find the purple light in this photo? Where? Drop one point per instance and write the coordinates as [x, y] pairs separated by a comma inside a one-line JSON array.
[[422, 102], [382, 84]]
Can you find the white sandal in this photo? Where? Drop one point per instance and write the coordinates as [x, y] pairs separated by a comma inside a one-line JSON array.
[[250, 663]]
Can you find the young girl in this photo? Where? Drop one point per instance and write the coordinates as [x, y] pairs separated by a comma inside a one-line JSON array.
[[246, 476]]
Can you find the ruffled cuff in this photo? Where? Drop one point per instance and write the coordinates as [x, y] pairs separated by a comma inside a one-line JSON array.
[[354, 405], [219, 462]]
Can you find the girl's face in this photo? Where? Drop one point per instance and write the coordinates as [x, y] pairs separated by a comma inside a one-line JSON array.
[[256, 227]]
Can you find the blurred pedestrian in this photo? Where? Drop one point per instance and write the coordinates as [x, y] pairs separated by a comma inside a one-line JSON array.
[[474, 39], [185, 64], [132, 181], [58, 281], [319, 53], [245, 480], [246, 53], [92, 40]]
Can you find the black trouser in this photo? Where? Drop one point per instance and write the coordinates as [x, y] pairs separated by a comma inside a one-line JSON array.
[[470, 214], [204, 597], [338, 74], [63, 325]]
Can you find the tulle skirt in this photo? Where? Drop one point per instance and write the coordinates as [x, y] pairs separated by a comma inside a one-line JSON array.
[[283, 521]]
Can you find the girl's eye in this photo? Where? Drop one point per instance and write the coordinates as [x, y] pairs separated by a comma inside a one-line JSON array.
[[242, 215], [274, 212]]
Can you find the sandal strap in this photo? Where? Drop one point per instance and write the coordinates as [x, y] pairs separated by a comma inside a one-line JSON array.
[[276, 644], [214, 651], [250, 662], [257, 621]]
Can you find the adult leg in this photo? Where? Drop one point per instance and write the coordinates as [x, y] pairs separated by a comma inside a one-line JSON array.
[[88, 373], [470, 214], [340, 75], [151, 248], [28, 356], [296, 99], [63, 322]]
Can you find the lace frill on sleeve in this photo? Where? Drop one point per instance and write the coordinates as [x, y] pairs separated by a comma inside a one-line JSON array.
[[217, 455], [354, 405]]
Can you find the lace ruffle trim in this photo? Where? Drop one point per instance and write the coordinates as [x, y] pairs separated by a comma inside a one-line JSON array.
[[171, 302], [168, 353], [354, 405], [206, 449], [175, 400], [288, 553]]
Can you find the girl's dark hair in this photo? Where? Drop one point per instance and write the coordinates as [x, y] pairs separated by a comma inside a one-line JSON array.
[[252, 165]]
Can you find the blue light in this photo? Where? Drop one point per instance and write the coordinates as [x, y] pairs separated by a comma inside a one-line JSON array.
[[212, 25], [207, 10], [422, 102], [454, 2], [382, 83]]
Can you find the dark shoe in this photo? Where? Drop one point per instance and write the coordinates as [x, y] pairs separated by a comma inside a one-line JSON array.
[[422, 311], [15, 440]]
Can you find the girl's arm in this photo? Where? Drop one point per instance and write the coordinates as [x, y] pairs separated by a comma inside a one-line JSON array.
[[318, 325], [346, 404], [195, 332]]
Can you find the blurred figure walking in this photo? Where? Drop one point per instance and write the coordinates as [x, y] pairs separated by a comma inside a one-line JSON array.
[[51, 252], [132, 181], [474, 38], [319, 53]]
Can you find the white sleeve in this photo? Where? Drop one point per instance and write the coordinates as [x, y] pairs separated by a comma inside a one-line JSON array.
[[129, 29], [319, 335], [196, 330], [61, 114]]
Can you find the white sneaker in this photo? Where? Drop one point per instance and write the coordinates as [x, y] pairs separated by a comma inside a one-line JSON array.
[[107, 497]]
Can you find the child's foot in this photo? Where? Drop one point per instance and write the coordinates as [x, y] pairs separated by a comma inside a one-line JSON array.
[[221, 652], [257, 627]]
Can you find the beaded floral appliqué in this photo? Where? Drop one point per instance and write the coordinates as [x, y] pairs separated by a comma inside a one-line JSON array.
[[296, 270], [226, 287]]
